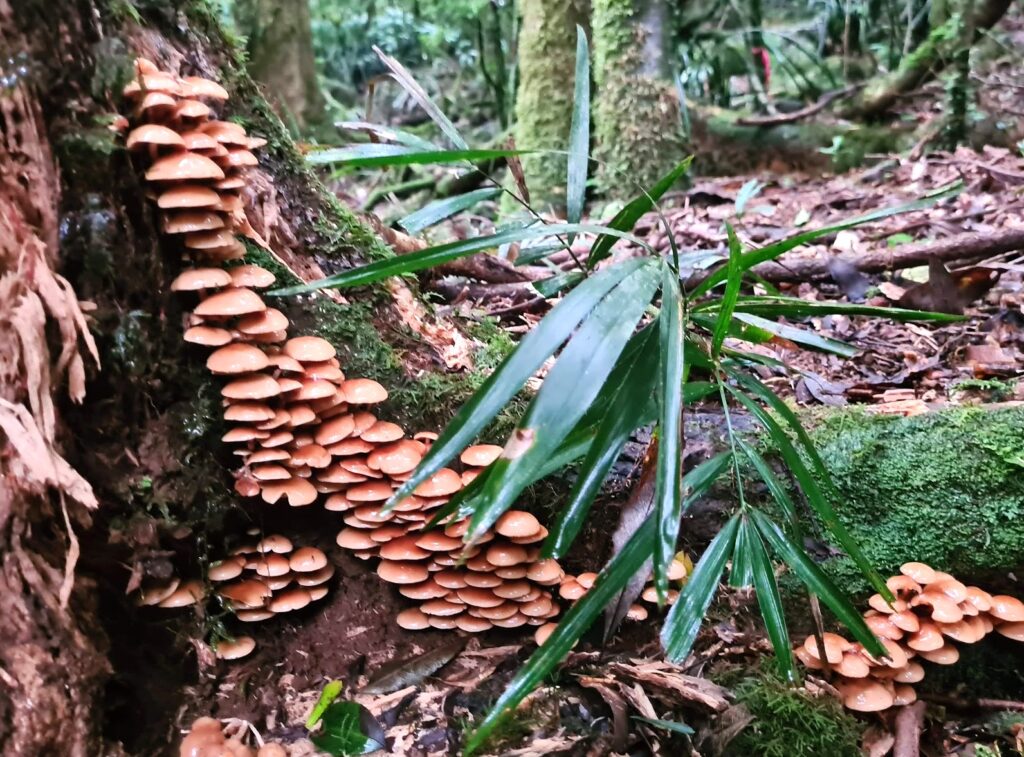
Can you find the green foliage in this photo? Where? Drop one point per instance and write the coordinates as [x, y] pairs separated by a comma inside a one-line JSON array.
[[602, 327], [790, 722], [945, 488]]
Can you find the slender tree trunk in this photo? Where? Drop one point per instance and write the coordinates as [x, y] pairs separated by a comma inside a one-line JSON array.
[[543, 112], [280, 47], [637, 116]]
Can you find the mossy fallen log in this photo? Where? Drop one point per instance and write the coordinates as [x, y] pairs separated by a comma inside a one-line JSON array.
[[945, 488]]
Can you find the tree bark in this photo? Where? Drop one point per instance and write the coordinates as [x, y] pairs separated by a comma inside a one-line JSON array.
[[547, 57], [144, 445], [280, 47], [637, 114]]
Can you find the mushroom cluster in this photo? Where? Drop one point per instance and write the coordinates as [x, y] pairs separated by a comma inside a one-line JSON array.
[[206, 738], [169, 594], [932, 609], [303, 430], [269, 577]]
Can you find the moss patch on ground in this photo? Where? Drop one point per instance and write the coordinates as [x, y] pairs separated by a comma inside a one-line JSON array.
[[945, 488], [790, 722]]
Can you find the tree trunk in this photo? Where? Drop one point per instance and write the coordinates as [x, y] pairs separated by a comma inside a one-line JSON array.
[[547, 59], [137, 470], [637, 115], [280, 48]]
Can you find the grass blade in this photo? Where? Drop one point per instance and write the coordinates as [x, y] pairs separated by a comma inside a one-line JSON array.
[[381, 156], [815, 497], [768, 599], [798, 335], [551, 286], [577, 620], [792, 307], [668, 499], [671, 726], [570, 388], [772, 251], [684, 619], [818, 583], [629, 215], [625, 411], [579, 133], [387, 134], [433, 256], [410, 85], [433, 212], [732, 292], [741, 571]]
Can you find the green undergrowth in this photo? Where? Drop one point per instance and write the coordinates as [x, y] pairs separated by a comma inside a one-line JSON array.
[[945, 488], [791, 722]]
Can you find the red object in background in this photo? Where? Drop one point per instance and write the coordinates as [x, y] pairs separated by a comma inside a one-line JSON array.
[[765, 64]]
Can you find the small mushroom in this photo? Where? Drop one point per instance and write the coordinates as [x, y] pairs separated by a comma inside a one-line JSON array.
[[1007, 608], [184, 166], [240, 646], [865, 695]]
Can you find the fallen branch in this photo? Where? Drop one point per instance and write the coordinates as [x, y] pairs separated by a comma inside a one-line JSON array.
[[797, 115], [960, 247]]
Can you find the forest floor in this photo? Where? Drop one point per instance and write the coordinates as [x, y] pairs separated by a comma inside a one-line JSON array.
[[426, 688]]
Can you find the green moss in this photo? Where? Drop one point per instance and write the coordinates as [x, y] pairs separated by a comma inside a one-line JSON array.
[[790, 722], [637, 122], [945, 488]]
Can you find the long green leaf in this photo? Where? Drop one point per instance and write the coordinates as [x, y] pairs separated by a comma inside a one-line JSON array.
[[768, 599], [433, 212], [388, 134], [684, 619], [380, 156], [626, 410], [775, 487], [579, 132], [793, 307], [815, 497], [732, 292], [568, 391], [551, 286], [536, 347], [798, 335], [771, 251], [741, 571], [753, 385], [410, 85], [629, 215], [433, 256], [577, 620], [820, 584], [668, 499]]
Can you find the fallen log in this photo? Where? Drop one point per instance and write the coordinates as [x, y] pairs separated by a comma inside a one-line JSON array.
[[960, 247]]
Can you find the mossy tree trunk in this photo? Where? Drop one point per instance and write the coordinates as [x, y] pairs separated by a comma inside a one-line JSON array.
[[280, 48], [637, 115], [75, 680], [543, 112]]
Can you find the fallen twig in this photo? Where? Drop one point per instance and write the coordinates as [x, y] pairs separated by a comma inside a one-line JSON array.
[[798, 115]]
